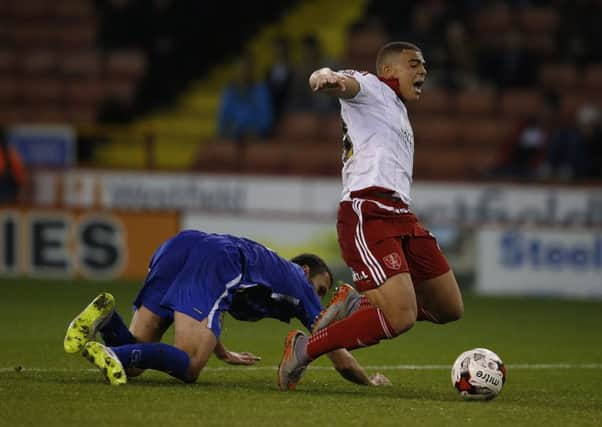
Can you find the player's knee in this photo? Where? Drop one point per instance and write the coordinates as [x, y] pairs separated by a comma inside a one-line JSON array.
[[452, 313], [192, 374]]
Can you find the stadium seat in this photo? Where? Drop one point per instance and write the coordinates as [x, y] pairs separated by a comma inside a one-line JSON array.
[[484, 132], [8, 115], [491, 21], [80, 37], [538, 19], [315, 159], [125, 64], [8, 62], [73, 10], [432, 101], [541, 44], [331, 129], [266, 157], [81, 115], [299, 127], [25, 37], [520, 103], [9, 90], [592, 77], [81, 65], [40, 92], [558, 76], [479, 103], [42, 63], [84, 93], [362, 47], [435, 130], [30, 9], [219, 155]]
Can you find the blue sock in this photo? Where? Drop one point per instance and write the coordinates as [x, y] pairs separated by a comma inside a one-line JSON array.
[[115, 332], [159, 356]]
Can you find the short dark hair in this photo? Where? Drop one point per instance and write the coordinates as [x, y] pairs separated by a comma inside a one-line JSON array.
[[315, 263], [393, 47]]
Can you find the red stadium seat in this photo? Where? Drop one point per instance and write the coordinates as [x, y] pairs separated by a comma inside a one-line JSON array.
[[86, 93], [38, 92], [485, 132], [315, 159], [219, 155], [8, 62], [9, 91], [266, 157], [39, 63], [30, 9], [479, 103], [538, 19], [79, 37], [331, 129], [81, 65], [126, 64], [558, 76], [299, 127], [432, 101], [592, 77], [8, 115], [435, 131], [520, 103]]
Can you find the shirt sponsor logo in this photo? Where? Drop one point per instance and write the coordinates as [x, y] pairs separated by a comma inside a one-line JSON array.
[[357, 277]]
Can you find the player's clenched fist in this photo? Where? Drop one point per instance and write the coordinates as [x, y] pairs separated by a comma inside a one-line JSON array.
[[325, 78]]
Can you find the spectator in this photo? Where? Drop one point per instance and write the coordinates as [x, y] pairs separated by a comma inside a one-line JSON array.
[[523, 154], [312, 58], [280, 76], [12, 173], [246, 108], [590, 129]]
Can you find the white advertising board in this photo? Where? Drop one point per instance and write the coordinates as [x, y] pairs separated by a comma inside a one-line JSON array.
[[540, 262], [285, 236], [435, 203]]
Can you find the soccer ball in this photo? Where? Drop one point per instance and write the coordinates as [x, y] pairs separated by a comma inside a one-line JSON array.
[[478, 374]]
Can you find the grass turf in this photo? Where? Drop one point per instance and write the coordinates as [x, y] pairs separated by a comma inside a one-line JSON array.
[[57, 389]]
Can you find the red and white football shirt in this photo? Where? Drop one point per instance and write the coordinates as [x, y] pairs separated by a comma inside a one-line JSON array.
[[379, 151]]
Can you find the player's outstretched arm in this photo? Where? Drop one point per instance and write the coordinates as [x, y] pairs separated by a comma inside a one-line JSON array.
[[351, 370], [234, 358], [336, 84]]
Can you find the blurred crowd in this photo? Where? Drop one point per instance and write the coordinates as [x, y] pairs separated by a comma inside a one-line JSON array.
[[470, 46]]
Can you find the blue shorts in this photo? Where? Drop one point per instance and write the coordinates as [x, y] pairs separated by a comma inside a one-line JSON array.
[[191, 273]]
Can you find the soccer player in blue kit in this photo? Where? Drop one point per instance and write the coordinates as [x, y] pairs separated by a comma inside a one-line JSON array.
[[193, 279]]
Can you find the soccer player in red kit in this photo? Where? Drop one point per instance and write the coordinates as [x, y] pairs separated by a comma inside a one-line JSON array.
[[396, 263]]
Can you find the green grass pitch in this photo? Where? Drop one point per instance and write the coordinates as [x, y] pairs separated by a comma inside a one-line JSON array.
[[41, 385]]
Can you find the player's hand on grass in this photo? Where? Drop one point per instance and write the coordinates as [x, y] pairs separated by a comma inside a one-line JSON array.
[[379, 379], [242, 358]]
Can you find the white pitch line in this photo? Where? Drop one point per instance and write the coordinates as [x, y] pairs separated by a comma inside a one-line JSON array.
[[524, 366]]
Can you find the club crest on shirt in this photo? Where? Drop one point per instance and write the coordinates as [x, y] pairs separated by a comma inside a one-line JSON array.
[[393, 261]]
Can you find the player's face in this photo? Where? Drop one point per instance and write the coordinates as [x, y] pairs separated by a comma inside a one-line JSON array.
[[322, 283], [409, 69]]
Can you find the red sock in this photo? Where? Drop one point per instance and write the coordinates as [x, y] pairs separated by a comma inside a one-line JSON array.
[[425, 315], [362, 329]]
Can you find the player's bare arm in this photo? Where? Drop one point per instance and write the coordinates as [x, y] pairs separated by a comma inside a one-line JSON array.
[[234, 358], [332, 83], [351, 370]]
